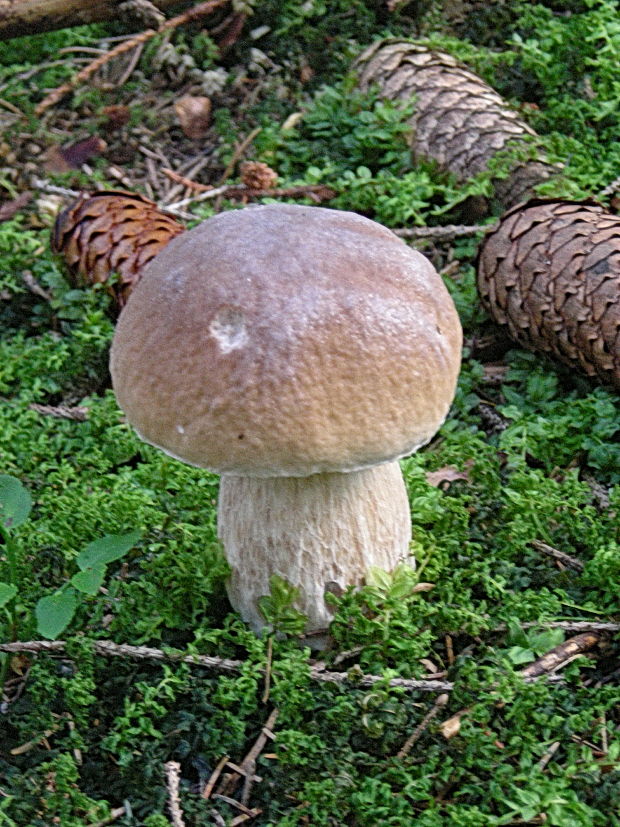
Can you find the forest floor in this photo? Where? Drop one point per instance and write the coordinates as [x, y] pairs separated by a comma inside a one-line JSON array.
[[143, 700]]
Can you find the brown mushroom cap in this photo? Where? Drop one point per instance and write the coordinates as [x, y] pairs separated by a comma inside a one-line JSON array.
[[285, 340]]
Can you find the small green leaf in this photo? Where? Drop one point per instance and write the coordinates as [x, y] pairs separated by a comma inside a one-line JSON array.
[[106, 549], [89, 580], [277, 607], [15, 501], [55, 612], [519, 655], [7, 592]]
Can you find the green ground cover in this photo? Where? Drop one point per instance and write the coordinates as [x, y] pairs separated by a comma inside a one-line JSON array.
[[538, 456]]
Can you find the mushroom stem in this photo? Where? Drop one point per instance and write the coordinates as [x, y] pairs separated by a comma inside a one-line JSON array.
[[320, 533]]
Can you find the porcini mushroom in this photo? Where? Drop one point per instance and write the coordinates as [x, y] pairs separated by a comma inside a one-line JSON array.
[[298, 352]]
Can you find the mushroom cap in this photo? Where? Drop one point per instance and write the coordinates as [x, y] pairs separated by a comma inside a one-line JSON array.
[[284, 340]]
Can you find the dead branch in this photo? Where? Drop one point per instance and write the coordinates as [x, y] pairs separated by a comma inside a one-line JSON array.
[[21, 17], [201, 10], [238, 152], [561, 556], [610, 189], [33, 285], [210, 785], [567, 625], [79, 413], [173, 768], [186, 182], [448, 232], [561, 655], [110, 649], [115, 814], [415, 736], [318, 192]]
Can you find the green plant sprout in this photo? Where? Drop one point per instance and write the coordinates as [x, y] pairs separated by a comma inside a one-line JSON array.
[[278, 610], [55, 611]]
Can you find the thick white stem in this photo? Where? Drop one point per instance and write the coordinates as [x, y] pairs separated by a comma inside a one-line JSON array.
[[320, 533]]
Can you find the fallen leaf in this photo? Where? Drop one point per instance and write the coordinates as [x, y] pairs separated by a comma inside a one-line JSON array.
[[9, 208], [194, 114], [116, 116], [65, 158], [452, 726], [447, 474]]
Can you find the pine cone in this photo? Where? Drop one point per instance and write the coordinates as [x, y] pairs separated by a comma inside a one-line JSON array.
[[550, 271], [258, 176], [459, 121], [111, 231]]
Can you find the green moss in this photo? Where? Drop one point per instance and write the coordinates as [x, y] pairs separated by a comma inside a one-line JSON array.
[[530, 478]]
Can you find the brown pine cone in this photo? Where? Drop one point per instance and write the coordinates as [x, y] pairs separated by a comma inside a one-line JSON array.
[[459, 121], [111, 231], [258, 176], [550, 271]]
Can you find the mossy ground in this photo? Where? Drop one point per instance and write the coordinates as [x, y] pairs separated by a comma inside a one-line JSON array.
[[537, 448]]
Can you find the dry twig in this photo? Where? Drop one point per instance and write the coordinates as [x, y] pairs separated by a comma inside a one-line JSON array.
[[269, 658], [570, 626], [116, 813], [447, 232], [415, 736], [561, 556], [561, 655], [317, 192], [79, 413], [238, 152], [548, 755], [210, 785], [186, 182], [247, 768], [610, 189], [108, 648], [173, 769]]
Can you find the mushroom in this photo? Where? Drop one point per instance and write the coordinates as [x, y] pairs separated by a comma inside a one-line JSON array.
[[298, 352]]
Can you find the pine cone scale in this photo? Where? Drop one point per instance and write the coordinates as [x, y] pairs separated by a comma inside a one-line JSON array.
[[550, 271], [458, 120], [111, 232]]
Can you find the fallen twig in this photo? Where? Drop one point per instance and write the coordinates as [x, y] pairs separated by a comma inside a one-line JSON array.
[[79, 413], [238, 152], [567, 625], [269, 658], [447, 232], [210, 785], [415, 736], [186, 182], [200, 10], [610, 189], [561, 556], [318, 192], [108, 648], [45, 186], [173, 769], [559, 656], [317, 672], [247, 768], [115, 814], [33, 285], [548, 755], [238, 806]]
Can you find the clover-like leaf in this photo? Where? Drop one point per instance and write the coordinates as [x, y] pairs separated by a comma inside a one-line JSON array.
[[55, 611], [89, 580], [15, 501], [106, 549], [7, 593]]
